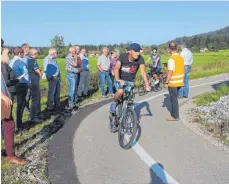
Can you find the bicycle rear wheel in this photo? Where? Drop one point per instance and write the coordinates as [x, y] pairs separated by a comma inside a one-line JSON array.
[[128, 129]]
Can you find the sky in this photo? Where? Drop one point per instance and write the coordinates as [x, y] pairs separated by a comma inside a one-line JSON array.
[[108, 22]]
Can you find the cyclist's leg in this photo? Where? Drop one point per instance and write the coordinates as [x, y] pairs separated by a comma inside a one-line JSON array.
[[154, 73], [117, 96], [157, 73]]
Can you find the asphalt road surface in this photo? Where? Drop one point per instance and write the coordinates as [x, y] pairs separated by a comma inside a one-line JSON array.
[[165, 152]]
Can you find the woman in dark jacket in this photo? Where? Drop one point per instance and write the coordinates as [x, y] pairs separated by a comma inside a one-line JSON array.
[[6, 117], [8, 74]]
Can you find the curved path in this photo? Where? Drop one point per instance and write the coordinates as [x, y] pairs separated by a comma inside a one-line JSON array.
[[166, 152]]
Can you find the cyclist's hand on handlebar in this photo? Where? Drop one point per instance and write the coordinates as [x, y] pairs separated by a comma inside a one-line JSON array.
[[122, 82], [148, 88]]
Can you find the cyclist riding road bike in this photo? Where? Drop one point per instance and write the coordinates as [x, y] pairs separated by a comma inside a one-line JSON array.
[[125, 71]]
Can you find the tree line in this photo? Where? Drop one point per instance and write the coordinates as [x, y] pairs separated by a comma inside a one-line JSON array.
[[213, 41]]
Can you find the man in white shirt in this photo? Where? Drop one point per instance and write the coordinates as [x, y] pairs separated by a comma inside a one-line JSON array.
[[186, 54]]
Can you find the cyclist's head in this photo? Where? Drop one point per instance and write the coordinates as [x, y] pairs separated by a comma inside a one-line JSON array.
[[172, 47], [154, 51], [134, 50]]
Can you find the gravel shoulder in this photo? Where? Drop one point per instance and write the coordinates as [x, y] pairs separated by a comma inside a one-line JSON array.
[[189, 118]]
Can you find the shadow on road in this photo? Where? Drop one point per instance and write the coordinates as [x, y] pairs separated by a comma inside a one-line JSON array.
[[157, 174], [167, 103], [215, 86], [139, 107]]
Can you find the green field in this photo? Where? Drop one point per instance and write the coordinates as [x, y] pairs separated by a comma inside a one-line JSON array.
[[205, 64]]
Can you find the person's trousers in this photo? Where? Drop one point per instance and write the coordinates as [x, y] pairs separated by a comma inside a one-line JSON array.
[[173, 92], [35, 108], [28, 96], [12, 96], [103, 78], [72, 86], [9, 127], [22, 90], [53, 94], [84, 83], [184, 91]]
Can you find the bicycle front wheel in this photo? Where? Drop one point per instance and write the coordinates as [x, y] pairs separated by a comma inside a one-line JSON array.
[[128, 129]]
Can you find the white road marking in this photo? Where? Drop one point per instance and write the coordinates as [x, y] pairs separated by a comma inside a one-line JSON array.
[[160, 172]]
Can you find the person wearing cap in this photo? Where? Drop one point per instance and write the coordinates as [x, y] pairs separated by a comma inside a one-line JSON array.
[[186, 54], [174, 80], [104, 65], [126, 69], [52, 73]]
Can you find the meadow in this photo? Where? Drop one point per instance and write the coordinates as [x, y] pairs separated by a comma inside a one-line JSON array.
[[204, 65]]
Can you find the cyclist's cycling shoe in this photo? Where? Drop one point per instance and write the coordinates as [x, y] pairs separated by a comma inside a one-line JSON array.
[[113, 129], [156, 82], [113, 108]]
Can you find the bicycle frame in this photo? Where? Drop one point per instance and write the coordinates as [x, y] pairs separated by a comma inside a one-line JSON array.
[[126, 102]]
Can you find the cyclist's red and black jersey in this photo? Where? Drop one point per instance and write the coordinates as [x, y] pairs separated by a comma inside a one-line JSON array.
[[129, 69]]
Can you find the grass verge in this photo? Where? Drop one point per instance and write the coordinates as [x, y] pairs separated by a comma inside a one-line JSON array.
[[208, 98]]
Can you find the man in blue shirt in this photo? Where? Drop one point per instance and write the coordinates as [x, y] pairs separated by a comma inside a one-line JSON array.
[[21, 71], [35, 74], [26, 48], [52, 72]]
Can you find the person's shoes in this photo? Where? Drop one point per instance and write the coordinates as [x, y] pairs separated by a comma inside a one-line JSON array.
[[113, 108], [185, 96], [180, 97], [70, 107], [111, 95], [172, 119], [104, 96], [17, 161], [113, 129]]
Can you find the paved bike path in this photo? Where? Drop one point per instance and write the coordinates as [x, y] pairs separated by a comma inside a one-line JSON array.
[[185, 156]]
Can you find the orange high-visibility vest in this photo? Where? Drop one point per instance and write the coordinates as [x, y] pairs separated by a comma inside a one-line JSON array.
[[177, 79]]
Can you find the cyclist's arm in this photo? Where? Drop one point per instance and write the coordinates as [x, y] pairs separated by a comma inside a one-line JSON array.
[[116, 70], [157, 61], [144, 76]]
